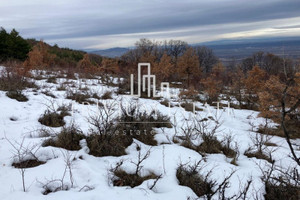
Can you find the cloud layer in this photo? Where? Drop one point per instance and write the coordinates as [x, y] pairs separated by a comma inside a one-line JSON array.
[[103, 24]]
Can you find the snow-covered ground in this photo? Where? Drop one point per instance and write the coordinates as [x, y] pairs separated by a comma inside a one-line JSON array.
[[92, 178]]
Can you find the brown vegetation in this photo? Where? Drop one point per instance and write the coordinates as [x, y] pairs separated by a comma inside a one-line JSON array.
[[68, 138]]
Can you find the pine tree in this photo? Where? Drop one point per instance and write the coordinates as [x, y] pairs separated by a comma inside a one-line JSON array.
[[12, 46], [3, 44]]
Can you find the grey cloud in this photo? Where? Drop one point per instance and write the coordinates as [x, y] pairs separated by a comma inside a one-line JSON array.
[[55, 20], [288, 27]]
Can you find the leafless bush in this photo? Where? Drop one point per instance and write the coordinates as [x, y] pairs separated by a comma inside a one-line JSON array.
[[62, 87], [139, 124], [24, 156], [17, 95], [166, 103], [55, 185], [227, 148], [122, 178], [280, 183], [10, 80], [113, 145], [55, 117], [123, 86], [189, 176], [259, 148], [203, 126], [105, 137], [69, 158], [102, 121], [189, 133], [68, 138], [107, 79], [140, 159], [79, 97], [106, 95], [51, 79], [199, 134], [191, 107], [48, 93], [43, 132], [203, 186]]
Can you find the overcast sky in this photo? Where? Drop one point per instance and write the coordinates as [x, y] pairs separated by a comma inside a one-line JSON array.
[[99, 24]]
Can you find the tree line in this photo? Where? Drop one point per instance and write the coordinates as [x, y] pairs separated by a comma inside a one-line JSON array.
[[34, 54]]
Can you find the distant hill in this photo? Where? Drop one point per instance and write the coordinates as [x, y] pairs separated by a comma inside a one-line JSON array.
[[237, 48], [112, 53]]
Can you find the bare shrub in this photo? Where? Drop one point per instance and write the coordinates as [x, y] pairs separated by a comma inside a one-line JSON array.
[[43, 132], [203, 131], [68, 138], [124, 86], [292, 126], [14, 83], [139, 125], [51, 79], [109, 145], [166, 103], [102, 121], [79, 97], [55, 117], [10, 80], [17, 95], [111, 137], [190, 177], [28, 164], [260, 150], [203, 186], [258, 155], [52, 119], [105, 139], [280, 183], [49, 94], [190, 107], [210, 144], [122, 178], [106, 95], [227, 147], [191, 93], [25, 157], [55, 185], [132, 180], [71, 73], [61, 87]]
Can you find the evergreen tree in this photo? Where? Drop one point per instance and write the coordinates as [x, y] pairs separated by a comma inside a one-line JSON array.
[[13, 46], [3, 44]]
